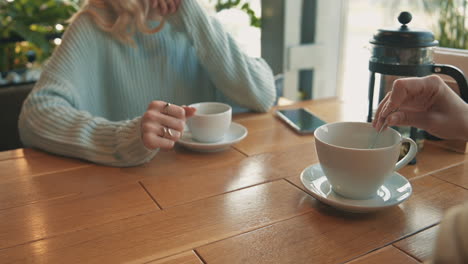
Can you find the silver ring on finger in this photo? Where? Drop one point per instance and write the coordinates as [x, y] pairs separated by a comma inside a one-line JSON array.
[[169, 131], [165, 131], [166, 108]]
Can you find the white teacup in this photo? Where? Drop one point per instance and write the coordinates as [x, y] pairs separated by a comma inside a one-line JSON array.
[[210, 122], [352, 169]]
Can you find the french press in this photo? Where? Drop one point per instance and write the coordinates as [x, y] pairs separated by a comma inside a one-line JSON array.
[[405, 52]]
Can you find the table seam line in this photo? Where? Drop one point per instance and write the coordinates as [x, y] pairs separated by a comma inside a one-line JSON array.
[[444, 180], [175, 254], [240, 151], [219, 194], [256, 229], [386, 244], [199, 256], [431, 173], [77, 230], [391, 243], [407, 253], [62, 170], [11, 158], [151, 196], [42, 200]]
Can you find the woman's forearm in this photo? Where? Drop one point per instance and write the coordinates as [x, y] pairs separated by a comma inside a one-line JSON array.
[[248, 81]]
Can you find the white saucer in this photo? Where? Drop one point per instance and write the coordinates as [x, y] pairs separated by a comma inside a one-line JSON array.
[[235, 134], [395, 190]]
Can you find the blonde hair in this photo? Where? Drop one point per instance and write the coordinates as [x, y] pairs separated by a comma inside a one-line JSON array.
[[121, 18]]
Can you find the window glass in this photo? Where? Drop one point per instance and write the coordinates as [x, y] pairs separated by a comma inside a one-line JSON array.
[[365, 17]]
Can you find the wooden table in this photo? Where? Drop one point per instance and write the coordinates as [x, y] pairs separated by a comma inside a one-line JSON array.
[[243, 205]]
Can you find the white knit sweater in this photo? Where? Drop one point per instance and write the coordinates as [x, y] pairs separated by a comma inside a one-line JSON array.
[[92, 93]]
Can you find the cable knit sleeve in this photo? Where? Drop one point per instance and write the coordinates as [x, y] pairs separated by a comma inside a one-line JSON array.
[[52, 118], [247, 81]]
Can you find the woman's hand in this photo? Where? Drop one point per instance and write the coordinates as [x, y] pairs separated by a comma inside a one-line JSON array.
[[426, 103], [163, 124], [165, 7]]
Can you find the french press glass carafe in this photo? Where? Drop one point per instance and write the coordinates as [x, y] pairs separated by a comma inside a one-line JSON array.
[[405, 52]]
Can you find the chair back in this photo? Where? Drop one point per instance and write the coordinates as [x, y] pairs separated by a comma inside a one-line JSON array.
[[11, 100]]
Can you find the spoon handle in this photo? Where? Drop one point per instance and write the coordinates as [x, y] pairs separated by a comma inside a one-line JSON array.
[[372, 145]]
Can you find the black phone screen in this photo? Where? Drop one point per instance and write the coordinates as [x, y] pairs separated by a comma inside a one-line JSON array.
[[300, 119]]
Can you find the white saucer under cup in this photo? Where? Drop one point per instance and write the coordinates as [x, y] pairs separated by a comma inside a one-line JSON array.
[[235, 133], [395, 190], [352, 169]]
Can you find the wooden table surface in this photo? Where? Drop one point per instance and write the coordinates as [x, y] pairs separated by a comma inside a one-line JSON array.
[[242, 205]]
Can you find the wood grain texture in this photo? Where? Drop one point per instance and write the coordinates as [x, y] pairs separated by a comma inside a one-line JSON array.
[[334, 109], [242, 205], [432, 158], [269, 134], [387, 254], [19, 153], [159, 234], [419, 245], [50, 218], [183, 258], [34, 165], [457, 175], [327, 235], [80, 181], [182, 161], [89, 178], [219, 174]]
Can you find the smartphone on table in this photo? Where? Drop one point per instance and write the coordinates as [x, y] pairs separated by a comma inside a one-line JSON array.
[[300, 119]]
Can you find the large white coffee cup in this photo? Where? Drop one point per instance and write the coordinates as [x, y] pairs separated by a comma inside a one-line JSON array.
[[352, 169], [210, 122]]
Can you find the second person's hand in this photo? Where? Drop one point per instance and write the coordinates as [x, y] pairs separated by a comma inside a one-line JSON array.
[[426, 103]]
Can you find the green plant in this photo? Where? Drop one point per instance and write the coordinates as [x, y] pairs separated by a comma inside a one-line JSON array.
[[451, 29], [242, 5], [29, 26]]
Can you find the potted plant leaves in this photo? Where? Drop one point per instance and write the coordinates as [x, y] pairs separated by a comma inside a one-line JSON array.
[[30, 29]]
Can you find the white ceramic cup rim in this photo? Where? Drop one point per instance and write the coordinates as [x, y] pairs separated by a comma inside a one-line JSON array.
[[226, 108], [391, 130]]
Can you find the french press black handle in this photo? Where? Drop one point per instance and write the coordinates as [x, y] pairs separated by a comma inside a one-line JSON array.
[[456, 74]]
